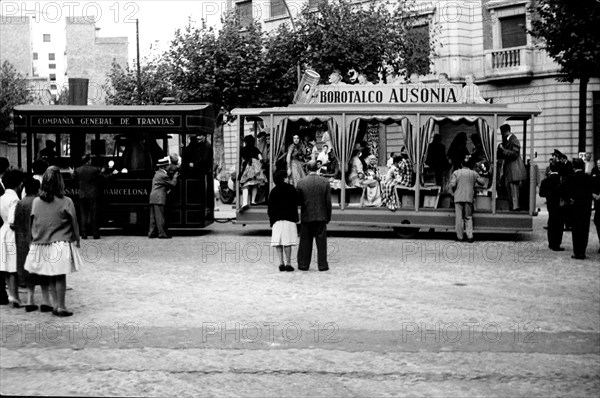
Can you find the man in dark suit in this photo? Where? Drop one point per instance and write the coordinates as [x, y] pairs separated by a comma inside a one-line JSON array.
[[578, 190], [514, 169], [161, 185], [551, 190], [90, 180], [314, 197]]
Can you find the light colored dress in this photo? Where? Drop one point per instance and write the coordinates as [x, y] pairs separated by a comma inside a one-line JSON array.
[[356, 169], [8, 243], [54, 231]]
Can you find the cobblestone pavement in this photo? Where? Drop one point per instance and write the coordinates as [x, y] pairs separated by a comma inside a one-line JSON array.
[[210, 315]]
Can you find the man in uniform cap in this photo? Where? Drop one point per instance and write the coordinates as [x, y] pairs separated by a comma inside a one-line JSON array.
[[161, 185]]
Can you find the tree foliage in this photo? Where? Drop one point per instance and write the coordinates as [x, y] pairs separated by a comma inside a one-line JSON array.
[[345, 36], [570, 34], [121, 87], [242, 66], [15, 90]]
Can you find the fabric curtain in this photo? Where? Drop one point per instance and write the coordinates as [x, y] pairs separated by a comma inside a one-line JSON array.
[[410, 140], [426, 136], [336, 139], [487, 138], [278, 140]]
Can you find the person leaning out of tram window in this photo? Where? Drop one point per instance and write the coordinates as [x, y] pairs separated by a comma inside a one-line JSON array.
[[462, 183], [551, 190], [283, 216], [252, 175], [578, 190], [161, 185], [54, 238]]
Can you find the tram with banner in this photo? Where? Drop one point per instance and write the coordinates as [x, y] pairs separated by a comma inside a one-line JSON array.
[[388, 119], [126, 141]]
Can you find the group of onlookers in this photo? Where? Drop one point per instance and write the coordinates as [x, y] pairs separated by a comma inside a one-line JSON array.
[[39, 238], [570, 189]]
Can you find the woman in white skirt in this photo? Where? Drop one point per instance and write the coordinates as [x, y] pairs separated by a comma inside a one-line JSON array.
[[283, 215], [13, 183], [55, 238]]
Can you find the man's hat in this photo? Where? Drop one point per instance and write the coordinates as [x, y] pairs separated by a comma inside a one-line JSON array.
[[558, 154], [163, 162]]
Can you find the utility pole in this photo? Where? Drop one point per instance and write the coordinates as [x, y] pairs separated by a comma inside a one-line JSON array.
[[294, 30], [139, 75]]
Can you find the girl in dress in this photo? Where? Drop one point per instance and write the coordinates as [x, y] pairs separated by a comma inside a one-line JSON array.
[[295, 161], [55, 238], [23, 239], [372, 191], [252, 172], [356, 169], [391, 180], [13, 182]]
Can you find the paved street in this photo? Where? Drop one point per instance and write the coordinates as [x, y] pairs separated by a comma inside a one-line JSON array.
[[209, 314]]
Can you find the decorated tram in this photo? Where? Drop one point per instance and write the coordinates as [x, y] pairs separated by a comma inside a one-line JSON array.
[[126, 141], [389, 119]]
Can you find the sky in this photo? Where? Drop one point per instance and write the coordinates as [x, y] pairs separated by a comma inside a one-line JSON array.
[[158, 20]]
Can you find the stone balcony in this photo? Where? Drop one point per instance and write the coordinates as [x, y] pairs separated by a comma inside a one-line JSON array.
[[509, 63]]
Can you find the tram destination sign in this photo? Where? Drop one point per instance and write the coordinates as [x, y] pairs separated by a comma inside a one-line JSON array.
[[388, 94], [104, 121]]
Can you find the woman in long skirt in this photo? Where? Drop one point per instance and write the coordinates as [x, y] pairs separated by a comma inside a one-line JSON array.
[[295, 161], [252, 172], [55, 238]]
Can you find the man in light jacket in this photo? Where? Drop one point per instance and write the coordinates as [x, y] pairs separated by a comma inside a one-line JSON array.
[[463, 183], [161, 185]]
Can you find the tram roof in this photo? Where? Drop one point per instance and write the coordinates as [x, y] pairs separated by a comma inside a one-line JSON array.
[[78, 109], [520, 111]]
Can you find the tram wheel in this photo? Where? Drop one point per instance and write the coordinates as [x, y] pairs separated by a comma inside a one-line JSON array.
[[226, 195], [406, 232]]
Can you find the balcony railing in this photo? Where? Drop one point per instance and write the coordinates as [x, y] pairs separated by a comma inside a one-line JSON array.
[[506, 58], [509, 62]]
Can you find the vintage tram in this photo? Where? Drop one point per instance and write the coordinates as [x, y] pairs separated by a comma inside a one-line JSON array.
[[388, 118], [127, 141]]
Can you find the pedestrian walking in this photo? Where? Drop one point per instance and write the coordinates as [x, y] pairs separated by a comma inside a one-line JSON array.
[[23, 240], [462, 183], [13, 183], [90, 180], [551, 190], [283, 216], [161, 185], [54, 238], [314, 196], [578, 192]]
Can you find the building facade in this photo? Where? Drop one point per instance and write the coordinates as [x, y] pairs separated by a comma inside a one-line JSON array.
[[50, 52], [489, 39]]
